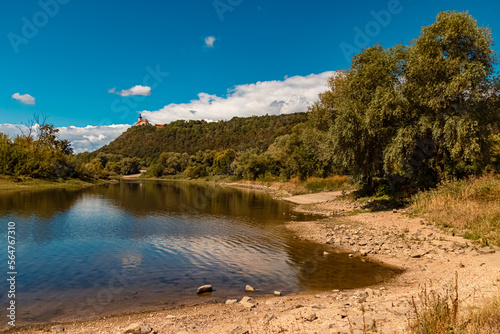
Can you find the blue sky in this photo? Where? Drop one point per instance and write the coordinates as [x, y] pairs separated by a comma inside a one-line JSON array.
[[217, 53]]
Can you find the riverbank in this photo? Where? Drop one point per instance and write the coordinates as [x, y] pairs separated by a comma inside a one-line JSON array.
[[428, 256], [10, 183]]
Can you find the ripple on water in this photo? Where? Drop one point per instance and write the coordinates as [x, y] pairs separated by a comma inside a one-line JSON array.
[[111, 248]]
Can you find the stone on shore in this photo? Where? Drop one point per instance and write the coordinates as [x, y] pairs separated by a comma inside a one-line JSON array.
[[268, 318], [416, 253], [138, 328], [239, 330], [57, 328], [248, 302], [486, 250], [231, 301], [306, 315], [248, 288], [277, 293], [204, 288]]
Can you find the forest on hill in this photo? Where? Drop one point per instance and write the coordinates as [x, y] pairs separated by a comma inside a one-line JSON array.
[[239, 134], [400, 119]]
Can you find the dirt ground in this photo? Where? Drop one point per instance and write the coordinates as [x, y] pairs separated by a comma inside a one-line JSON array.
[[430, 258]]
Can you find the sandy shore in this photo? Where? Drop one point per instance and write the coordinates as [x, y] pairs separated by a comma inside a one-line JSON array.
[[429, 258]]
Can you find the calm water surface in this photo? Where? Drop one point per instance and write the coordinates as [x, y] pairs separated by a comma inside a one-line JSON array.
[[145, 245]]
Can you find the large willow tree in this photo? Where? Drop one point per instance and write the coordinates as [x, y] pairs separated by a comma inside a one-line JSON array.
[[416, 114]]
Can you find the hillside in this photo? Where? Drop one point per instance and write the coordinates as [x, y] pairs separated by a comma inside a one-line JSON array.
[[189, 137]]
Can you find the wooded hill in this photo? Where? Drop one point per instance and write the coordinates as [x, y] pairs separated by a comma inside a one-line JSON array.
[[239, 134]]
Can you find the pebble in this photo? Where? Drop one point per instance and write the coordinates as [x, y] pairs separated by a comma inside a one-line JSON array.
[[239, 330], [57, 328], [248, 302], [138, 328], [268, 318]]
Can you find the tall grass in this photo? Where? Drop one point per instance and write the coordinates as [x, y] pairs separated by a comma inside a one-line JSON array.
[[471, 205], [440, 313]]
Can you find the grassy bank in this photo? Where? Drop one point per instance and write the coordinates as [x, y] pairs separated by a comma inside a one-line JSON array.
[[470, 206], [9, 183]]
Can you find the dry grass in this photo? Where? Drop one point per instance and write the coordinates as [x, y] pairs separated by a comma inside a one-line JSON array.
[[437, 316], [486, 319], [471, 205], [316, 184], [440, 313]]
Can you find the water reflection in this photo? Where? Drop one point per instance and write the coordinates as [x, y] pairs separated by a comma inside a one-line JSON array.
[[138, 245]]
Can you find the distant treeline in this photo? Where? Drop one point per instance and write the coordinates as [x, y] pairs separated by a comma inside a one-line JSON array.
[[239, 134], [39, 153], [255, 147]]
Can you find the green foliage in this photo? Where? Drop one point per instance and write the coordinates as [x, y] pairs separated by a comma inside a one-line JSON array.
[[94, 169], [303, 153], [130, 166], [251, 166], [200, 164], [222, 162], [40, 156], [449, 93], [195, 172], [415, 114], [169, 163]]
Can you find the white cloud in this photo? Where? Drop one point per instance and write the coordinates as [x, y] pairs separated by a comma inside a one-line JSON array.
[[209, 41], [25, 98], [136, 90], [293, 94], [88, 138]]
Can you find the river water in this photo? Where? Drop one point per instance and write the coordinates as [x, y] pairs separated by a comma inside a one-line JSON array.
[[141, 245]]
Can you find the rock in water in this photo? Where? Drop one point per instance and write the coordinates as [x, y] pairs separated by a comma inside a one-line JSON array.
[[204, 288], [248, 288]]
